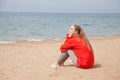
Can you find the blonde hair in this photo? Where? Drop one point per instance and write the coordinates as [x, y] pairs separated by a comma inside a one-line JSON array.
[[81, 34]]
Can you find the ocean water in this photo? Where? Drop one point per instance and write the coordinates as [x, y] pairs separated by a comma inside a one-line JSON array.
[[42, 26]]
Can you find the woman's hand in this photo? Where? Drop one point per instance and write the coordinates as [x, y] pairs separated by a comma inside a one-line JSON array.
[[69, 34]]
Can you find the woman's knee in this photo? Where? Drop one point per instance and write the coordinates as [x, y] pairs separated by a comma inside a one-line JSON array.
[[72, 56], [69, 51]]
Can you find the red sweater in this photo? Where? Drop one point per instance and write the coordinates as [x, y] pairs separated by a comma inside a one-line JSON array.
[[85, 57]]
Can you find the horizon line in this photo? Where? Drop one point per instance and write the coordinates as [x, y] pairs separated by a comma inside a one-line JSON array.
[[59, 12]]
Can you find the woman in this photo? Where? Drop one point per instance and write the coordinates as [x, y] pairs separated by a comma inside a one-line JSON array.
[[78, 48]]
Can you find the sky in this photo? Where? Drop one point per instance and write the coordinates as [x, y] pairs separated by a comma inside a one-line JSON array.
[[61, 6]]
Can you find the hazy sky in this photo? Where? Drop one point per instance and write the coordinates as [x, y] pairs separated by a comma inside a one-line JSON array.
[[61, 6]]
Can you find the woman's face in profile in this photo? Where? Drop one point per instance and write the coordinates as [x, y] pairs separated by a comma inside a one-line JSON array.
[[72, 30]]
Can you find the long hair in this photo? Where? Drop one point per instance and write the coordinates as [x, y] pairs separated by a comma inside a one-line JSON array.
[[81, 34]]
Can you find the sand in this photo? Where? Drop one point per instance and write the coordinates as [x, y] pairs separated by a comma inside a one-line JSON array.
[[32, 60]]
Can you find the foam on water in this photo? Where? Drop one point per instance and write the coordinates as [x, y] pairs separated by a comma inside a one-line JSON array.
[[4, 42]]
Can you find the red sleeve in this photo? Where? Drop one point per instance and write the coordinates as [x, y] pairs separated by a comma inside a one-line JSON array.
[[68, 44], [67, 39]]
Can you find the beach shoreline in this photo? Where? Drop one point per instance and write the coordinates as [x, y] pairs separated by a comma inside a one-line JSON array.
[[55, 39], [31, 60]]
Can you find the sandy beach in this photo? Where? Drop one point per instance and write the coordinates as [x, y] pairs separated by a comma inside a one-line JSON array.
[[32, 61]]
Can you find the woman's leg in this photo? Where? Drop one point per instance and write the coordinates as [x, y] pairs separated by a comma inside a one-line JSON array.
[[62, 58], [72, 56]]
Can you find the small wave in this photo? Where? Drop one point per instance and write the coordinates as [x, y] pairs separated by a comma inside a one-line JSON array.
[[35, 40], [31, 40], [45, 39], [5, 42], [87, 24]]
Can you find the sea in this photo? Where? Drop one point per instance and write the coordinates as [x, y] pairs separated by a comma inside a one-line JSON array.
[[44, 26]]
